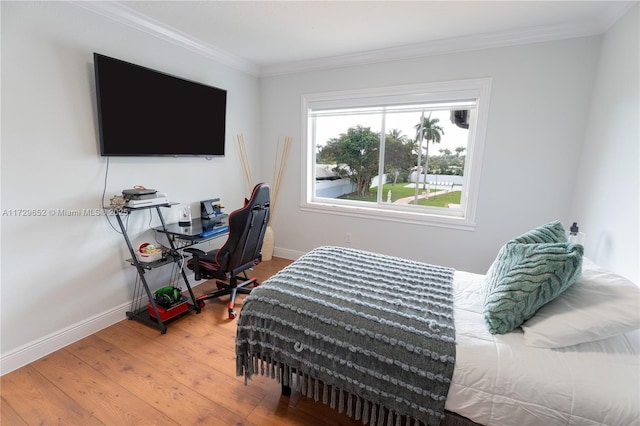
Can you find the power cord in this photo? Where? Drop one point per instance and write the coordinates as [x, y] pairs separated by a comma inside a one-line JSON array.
[[103, 207]]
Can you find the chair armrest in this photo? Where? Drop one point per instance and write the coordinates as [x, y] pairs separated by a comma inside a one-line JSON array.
[[195, 264], [195, 252]]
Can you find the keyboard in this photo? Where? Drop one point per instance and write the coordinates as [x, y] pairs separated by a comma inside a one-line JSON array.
[[214, 231]]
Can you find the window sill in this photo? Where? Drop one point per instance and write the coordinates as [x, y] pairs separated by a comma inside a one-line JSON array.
[[375, 213]]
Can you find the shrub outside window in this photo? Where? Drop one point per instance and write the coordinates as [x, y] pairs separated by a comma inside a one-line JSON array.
[[407, 153]]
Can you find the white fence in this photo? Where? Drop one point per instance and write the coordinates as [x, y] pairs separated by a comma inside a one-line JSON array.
[[438, 179], [334, 188]]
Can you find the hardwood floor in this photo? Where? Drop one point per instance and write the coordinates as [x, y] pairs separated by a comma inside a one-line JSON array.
[[130, 374]]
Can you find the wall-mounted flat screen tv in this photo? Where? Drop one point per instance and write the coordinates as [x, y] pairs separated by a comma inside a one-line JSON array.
[[143, 112]]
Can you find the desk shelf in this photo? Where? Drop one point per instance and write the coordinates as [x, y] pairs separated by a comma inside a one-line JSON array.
[[146, 314], [167, 260], [150, 313], [199, 231]]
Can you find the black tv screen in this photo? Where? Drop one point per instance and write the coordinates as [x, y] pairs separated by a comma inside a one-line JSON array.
[[143, 112]]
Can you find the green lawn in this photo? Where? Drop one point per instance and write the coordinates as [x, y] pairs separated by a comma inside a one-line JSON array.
[[401, 191], [442, 200]]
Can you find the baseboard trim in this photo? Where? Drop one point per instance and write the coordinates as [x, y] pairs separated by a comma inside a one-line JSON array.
[[37, 349], [42, 347], [287, 254], [58, 340]]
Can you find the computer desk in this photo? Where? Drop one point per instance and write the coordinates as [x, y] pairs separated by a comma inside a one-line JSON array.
[[201, 230], [146, 310]]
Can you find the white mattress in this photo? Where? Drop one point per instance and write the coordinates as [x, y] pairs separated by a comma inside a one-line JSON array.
[[498, 380]]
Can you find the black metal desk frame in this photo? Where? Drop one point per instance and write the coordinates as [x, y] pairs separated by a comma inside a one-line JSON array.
[[142, 314]]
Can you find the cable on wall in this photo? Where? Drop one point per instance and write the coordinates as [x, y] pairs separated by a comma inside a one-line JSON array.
[[104, 208]]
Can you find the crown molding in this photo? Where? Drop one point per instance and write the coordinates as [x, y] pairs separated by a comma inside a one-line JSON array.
[[432, 48], [456, 45], [118, 12]]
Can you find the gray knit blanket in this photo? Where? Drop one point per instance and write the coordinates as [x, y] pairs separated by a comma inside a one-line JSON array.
[[369, 334]]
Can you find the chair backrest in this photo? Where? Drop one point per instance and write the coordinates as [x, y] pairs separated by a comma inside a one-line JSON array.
[[246, 232]]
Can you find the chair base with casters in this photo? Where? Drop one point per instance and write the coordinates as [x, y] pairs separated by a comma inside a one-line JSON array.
[[241, 251], [228, 284]]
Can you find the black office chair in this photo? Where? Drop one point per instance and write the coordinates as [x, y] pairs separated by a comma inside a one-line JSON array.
[[240, 252]]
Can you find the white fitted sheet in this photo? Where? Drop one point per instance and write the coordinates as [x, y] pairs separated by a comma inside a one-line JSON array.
[[498, 380]]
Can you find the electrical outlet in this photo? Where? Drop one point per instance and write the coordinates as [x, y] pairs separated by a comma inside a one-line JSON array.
[[348, 237]]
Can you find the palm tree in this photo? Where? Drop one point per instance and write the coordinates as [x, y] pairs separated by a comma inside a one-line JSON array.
[[398, 153], [397, 135], [430, 131]]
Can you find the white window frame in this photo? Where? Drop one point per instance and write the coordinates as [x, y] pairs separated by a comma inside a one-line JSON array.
[[460, 90]]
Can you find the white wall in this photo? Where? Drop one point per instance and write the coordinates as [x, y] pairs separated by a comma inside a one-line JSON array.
[[607, 186], [538, 114], [61, 277], [60, 273]]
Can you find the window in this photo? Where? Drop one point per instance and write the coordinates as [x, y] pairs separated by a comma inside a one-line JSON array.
[[408, 153]]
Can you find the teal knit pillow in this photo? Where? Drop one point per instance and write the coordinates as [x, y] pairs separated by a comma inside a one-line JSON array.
[[525, 277], [552, 232]]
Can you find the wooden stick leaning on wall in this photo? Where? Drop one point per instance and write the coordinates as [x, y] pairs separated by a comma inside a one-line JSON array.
[[244, 160], [280, 168]]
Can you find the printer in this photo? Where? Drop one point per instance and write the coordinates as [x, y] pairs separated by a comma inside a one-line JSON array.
[[142, 197]]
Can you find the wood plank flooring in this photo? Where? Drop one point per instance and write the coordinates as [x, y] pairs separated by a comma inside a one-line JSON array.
[[130, 374]]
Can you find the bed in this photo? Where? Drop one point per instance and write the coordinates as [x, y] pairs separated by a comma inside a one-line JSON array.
[[575, 362]]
